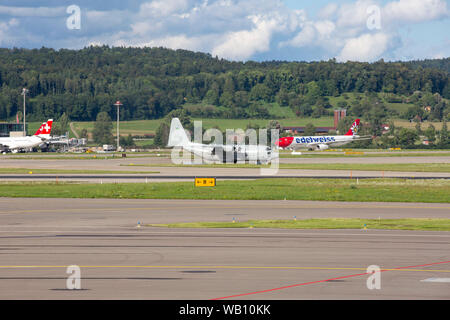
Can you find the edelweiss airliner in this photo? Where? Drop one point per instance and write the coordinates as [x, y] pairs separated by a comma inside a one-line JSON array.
[[321, 142], [15, 144]]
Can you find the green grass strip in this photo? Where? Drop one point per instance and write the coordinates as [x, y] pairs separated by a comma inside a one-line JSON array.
[[400, 167], [385, 224], [366, 154], [371, 190]]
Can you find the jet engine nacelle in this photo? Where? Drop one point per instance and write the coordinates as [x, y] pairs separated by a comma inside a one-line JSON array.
[[322, 146]]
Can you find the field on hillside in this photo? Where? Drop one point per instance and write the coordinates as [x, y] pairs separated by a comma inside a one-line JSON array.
[[142, 127], [146, 127]]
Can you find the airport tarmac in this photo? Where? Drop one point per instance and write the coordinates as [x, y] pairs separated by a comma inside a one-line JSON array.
[[41, 237], [159, 171], [150, 163]]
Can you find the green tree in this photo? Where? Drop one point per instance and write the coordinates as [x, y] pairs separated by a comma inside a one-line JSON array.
[[212, 97], [63, 123], [102, 133], [406, 137], [430, 133], [226, 99], [318, 112], [444, 139], [163, 131], [413, 112], [241, 99], [84, 134], [127, 141], [418, 126], [162, 135], [282, 97], [375, 117], [310, 130], [260, 92]]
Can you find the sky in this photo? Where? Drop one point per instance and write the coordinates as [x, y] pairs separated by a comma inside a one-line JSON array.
[[239, 30]]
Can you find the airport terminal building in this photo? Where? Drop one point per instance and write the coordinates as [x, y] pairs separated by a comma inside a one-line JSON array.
[[7, 128]]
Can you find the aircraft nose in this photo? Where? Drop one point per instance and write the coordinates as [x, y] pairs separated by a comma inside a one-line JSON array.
[[284, 142]]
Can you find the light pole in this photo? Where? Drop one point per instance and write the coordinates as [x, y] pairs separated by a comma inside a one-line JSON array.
[[24, 93], [118, 104]]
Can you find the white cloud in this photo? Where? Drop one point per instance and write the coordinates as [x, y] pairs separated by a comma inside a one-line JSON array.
[[325, 28], [175, 42], [229, 29], [243, 44], [367, 47], [415, 10], [313, 34], [304, 38], [328, 11], [163, 8], [353, 15], [341, 30], [5, 28]]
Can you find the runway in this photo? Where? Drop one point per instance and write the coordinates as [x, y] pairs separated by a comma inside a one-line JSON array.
[[41, 237]]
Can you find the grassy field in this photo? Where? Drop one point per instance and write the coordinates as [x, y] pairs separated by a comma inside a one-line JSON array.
[[407, 167], [412, 125], [136, 128], [365, 154], [399, 107], [379, 190], [401, 167], [141, 127], [384, 224]]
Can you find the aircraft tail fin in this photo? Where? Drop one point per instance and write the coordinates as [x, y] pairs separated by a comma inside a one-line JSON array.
[[45, 129], [177, 136], [38, 132], [354, 129]]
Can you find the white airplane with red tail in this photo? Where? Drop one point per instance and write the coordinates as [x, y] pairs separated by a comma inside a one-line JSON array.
[[15, 144], [321, 142]]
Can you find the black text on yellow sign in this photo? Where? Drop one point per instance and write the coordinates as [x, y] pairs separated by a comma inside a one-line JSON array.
[[205, 182]]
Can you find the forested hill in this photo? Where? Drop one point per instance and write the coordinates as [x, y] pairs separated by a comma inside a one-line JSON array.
[[440, 64], [151, 82]]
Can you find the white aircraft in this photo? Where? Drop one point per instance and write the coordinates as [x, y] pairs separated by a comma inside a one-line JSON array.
[[321, 142], [15, 144], [219, 153]]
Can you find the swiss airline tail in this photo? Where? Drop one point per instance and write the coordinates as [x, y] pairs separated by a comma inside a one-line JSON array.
[[45, 128], [354, 129]]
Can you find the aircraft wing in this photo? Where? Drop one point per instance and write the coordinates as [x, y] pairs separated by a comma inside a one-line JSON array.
[[356, 138], [8, 145]]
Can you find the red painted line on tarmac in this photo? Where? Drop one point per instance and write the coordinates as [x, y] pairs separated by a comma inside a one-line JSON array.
[[319, 281]]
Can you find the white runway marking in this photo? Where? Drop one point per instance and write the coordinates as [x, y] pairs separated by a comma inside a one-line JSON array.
[[440, 280]]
